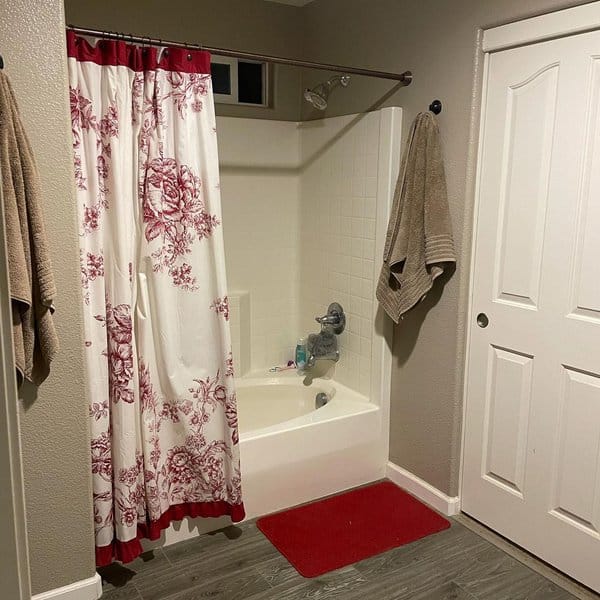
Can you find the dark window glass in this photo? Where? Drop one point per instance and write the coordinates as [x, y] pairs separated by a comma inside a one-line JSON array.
[[250, 82], [221, 78]]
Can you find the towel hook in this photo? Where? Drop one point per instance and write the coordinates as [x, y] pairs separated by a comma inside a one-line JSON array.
[[436, 107]]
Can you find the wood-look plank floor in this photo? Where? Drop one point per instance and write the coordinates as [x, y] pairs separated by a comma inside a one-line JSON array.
[[239, 563]]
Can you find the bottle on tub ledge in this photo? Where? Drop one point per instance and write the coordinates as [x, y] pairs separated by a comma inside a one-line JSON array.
[[301, 354]]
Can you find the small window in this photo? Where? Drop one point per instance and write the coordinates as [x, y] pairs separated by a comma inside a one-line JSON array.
[[221, 78], [237, 81]]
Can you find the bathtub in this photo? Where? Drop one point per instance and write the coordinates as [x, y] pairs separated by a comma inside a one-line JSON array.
[[292, 452], [283, 402]]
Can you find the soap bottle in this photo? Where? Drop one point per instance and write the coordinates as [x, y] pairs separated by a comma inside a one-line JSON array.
[[301, 354]]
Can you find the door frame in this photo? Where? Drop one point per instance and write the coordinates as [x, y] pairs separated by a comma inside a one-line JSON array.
[[561, 23]]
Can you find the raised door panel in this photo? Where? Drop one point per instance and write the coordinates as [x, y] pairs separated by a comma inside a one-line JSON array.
[[506, 422], [526, 159], [577, 464], [585, 274]]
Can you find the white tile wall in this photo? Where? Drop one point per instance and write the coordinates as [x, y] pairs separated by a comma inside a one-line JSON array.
[[338, 190], [260, 201], [240, 320], [299, 213]]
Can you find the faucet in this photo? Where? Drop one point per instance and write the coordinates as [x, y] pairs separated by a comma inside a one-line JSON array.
[[312, 358], [328, 319], [324, 345], [334, 320]]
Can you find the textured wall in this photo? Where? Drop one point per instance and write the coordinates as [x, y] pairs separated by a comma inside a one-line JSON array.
[[436, 40], [54, 425], [252, 25]]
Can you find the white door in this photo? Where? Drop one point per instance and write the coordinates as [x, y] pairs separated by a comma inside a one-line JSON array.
[[532, 441]]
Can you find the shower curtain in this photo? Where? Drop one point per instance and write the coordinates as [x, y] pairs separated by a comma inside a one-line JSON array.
[[160, 371]]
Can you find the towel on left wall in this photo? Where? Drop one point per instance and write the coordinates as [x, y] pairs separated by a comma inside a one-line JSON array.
[[31, 280]]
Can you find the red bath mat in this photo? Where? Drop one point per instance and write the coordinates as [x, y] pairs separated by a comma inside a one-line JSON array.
[[341, 530]]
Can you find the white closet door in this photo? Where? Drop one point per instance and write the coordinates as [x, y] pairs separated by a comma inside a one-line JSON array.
[[532, 442]]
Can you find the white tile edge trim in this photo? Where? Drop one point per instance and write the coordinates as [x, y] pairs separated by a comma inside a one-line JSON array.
[[86, 589], [388, 165], [447, 505], [536, 29]]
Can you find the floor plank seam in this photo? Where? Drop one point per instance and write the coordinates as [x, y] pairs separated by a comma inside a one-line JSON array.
[[264, 578], [167, 557], [468, 594]]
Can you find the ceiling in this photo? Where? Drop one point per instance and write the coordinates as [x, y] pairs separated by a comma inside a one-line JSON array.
[[292, 2]]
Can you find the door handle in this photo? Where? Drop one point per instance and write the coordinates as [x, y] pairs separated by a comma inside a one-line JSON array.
[[482, 320]]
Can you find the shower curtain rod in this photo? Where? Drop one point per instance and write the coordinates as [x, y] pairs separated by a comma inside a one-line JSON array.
[[404, 78]]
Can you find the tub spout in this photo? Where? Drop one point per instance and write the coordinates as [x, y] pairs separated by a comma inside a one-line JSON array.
[[320, 367], [312, 359], [321, 400]]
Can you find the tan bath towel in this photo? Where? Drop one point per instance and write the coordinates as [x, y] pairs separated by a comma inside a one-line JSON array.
[[31, 280], [419, 244]]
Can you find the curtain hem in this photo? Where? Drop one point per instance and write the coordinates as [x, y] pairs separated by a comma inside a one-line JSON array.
[[127, 551]]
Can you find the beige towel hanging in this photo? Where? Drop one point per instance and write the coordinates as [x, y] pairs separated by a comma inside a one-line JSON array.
[[419, 244], [30, 274]]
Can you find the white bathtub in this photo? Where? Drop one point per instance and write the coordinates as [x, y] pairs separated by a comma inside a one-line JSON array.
[[292, 453], [267, 403], [282, 402]]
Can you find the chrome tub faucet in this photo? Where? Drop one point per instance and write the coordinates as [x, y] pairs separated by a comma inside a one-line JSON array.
[[324, 345]]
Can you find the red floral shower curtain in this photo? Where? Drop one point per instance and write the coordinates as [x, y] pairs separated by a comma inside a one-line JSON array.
[[162, 400]]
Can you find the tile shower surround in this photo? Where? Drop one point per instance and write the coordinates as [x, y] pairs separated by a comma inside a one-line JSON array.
[[299, 207], [338, 207], [260, 189]]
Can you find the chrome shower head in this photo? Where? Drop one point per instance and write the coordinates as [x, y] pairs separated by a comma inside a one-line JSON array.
[[316, 98], [319, 95]]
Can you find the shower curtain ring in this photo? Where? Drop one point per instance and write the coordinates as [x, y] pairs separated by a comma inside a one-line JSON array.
[[188, 47]]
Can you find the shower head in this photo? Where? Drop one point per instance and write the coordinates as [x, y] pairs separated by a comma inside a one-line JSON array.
[[315, 98], [319, 95]]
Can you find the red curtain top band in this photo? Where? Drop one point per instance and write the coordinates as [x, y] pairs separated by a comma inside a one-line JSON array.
[[120, 53]]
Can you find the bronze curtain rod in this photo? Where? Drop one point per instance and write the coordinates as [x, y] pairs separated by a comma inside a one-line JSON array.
[[404, 78]]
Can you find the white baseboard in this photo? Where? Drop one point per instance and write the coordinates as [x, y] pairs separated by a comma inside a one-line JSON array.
[[86, 589], [447, 505]]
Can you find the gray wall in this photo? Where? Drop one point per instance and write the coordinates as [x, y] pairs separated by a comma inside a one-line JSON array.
[[252, 25], [54, 425], [436, 40]]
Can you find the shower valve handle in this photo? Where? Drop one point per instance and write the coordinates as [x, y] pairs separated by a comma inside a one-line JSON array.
[[335, 319], [328, 319]]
